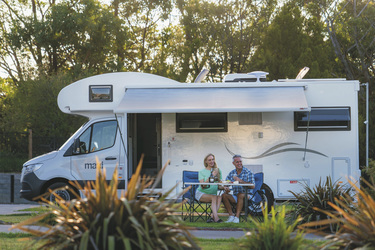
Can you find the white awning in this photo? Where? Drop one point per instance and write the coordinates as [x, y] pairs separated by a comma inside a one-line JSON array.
[[199, 100]]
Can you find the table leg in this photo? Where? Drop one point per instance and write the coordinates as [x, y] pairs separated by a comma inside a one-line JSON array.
[[246, 203]]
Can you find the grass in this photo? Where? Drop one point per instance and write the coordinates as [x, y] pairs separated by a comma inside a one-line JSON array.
[[230, 244], [222, 244], [15, 241], [16, 218], [29, 213], [203, 224]]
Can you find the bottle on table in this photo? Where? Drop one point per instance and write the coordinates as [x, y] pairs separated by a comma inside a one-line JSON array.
[[211, 178]]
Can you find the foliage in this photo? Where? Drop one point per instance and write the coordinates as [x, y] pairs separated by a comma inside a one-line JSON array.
[[318, 197], [219, 35], [10, 163], [351, 30], [104, 221], [177, 39], [291, 42], [368, 174], [34, 106], [357, 221], [273, 233]]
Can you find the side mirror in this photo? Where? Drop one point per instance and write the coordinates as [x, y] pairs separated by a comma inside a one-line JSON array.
[[76, 146]]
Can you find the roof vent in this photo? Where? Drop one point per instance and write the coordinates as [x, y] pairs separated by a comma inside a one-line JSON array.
[[255, 76]]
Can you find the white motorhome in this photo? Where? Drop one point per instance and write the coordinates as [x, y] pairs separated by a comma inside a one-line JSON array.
[[291, 130]]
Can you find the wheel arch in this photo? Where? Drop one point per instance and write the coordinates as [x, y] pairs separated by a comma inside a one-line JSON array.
[[44, 189]]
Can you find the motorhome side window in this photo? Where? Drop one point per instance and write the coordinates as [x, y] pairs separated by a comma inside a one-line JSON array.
[[102, 93], [98, 136], [323, 119], [201, 122]]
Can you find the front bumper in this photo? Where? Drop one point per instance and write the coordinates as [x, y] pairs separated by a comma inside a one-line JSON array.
[[31, 186]]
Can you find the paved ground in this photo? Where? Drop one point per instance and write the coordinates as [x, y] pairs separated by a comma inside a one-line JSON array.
[[208, 234], [14, 208]]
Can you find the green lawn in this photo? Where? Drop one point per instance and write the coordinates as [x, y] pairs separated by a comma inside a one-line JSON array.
[[15, 241]]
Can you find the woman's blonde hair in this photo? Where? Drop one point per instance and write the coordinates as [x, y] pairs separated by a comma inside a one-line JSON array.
[[205, 159], [215, 165]]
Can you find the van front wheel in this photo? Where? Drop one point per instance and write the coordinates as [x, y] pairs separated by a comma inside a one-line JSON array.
[[62, 190]]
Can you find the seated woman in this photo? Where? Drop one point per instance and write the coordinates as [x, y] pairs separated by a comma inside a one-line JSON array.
[[208, 193]]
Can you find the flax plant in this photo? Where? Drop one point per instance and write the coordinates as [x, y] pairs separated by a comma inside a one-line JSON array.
[[273, 233], [318, 197], [357, 221], [103, 220]]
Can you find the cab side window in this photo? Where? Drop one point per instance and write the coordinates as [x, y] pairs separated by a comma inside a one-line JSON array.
[[98, 136]]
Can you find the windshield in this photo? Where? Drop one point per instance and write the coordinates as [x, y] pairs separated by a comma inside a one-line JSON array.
[[72, 136]]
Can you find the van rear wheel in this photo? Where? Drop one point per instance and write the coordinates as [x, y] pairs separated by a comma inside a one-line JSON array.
[[63, 191]]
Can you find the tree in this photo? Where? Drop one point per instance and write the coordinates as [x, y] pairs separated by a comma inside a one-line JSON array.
[[57, 36], [351, 29], [291, 42], [220, 35], [33, 106], [142, 18]]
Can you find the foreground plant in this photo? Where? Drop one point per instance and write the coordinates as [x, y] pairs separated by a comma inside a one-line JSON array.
[[318, 197], [273, 233], [104, 221], [357, 222]]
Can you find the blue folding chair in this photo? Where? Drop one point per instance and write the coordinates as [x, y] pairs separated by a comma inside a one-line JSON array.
[[193, 209], [257, 199]]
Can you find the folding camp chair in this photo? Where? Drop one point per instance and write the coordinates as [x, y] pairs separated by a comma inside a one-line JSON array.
[[192, 209], [257, 199]]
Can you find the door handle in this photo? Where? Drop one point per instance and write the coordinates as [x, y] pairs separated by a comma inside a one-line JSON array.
[[110, 158]]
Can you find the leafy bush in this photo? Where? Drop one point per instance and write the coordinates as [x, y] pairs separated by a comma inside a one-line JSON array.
[[104, 221], [273, 233], [11, 163], [357, 222], [317, 197]]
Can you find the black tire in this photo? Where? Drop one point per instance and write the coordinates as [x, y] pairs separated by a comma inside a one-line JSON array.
[[266, 197], [64, 193]]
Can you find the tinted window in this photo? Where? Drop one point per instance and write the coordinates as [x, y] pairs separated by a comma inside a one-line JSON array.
[[201, 122], [323, 119]]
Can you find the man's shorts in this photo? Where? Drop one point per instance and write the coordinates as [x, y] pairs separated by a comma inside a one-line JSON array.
[[234, 197]]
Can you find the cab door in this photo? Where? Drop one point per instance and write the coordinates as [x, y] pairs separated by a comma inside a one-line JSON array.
[[99, 145]]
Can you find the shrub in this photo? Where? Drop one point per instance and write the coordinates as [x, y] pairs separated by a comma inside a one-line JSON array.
[[273, 233], [317, 197], [104, 221], [11, 162], [357, 222]]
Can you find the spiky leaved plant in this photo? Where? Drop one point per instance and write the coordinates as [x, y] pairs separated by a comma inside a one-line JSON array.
[[104, 221], [357, 221], [317, 197], [272, 233]]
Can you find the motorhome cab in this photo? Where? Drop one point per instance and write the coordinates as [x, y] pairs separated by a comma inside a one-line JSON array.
[[291, 130]]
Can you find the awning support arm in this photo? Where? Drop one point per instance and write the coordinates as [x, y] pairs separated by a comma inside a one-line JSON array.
[[122, 139], [307, 135]]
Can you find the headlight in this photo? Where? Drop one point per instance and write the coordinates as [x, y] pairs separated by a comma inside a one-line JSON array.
[[29, 169], [32, 168]]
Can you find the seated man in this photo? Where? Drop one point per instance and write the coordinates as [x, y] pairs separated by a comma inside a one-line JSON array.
[[243, 176]]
